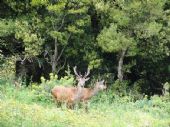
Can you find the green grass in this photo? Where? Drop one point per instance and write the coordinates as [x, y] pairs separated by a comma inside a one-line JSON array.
[[21, 108]]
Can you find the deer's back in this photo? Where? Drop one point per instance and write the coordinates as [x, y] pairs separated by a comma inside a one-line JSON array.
[[64, 94], [86, 94]]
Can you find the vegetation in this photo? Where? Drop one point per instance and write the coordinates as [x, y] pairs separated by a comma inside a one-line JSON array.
[[124, 42], [32, 108]]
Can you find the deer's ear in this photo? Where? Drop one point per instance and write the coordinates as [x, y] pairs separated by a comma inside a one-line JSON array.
[[87, 79]]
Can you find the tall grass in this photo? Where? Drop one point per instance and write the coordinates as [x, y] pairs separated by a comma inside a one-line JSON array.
[[24, 108]]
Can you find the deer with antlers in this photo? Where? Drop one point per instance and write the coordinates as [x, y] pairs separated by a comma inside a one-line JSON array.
[[70, 95]]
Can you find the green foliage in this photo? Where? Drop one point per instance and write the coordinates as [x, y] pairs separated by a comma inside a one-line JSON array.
[[18, 109], [39, 2], [32, 41], [119, 17], [112, 41], [95, 63], [7, 27], [60, 36], [90, 33], [147, 30], [64, 81], [57, 8], [94, 60], [120, 88], [141, 26], [42, 92], [9, 91], [7, 67], [17, 6]]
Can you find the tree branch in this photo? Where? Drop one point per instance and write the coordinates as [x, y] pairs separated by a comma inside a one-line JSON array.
[[62, 66], [62, 22], [63, 49]]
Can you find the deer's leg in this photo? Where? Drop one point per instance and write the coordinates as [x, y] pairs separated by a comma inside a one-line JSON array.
[[58, 104], [56, 101], [86, 106], [70, 105]]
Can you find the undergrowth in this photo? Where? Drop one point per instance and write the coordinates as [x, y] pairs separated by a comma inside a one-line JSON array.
[[25, 107]]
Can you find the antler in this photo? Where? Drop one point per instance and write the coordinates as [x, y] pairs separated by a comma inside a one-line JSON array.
[[80, 75], [87, 73], [80, 78], [75, 72]]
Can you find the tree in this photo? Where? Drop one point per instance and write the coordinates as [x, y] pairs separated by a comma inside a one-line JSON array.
[[130, 36], [112, 41], [48, 30], [140, 25], [114, 37]]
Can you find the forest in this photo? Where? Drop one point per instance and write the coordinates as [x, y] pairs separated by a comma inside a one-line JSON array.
[[85, 63]]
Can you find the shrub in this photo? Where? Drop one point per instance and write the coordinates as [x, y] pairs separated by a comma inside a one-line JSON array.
[[7, 67], [120, 88], [21, 107], [43, 91]]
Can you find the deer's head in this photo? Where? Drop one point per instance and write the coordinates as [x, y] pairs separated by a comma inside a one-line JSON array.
[[100, 85], [80, 78]]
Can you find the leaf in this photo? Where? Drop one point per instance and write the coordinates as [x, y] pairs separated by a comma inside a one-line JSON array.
[[112, 41], [56, 8], [39, 2]]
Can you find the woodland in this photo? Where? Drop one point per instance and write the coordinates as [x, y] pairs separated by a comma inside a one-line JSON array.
[[124, 44]]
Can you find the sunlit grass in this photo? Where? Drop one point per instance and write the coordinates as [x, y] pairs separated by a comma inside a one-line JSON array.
[[20, 108], [14, 113]]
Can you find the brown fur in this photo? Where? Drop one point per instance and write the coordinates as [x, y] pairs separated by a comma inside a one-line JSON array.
[[64, 94], [68, 94]]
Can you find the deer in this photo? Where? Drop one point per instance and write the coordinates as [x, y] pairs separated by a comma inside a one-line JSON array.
[[73, 95], [70, 95], [88, 93]]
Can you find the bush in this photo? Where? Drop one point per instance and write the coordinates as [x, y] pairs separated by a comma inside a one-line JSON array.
[[120, 88], [43, 91], [7, 67], [27, 107]]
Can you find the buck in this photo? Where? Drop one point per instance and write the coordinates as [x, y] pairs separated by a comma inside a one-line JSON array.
[[73, 95], [70, 95]]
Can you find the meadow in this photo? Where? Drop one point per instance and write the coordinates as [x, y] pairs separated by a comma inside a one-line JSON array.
[[32, 107]]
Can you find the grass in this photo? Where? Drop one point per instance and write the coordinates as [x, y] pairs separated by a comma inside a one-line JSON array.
[[23, 108]]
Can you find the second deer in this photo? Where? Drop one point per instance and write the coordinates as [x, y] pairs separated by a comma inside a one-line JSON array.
[[88, 93]]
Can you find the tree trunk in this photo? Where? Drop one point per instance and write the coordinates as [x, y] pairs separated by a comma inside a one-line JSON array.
[[54, 58], [56, 66], [120, 64]]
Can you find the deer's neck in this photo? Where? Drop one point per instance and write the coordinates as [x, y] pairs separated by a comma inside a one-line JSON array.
[[93, 92], [79, 94]]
